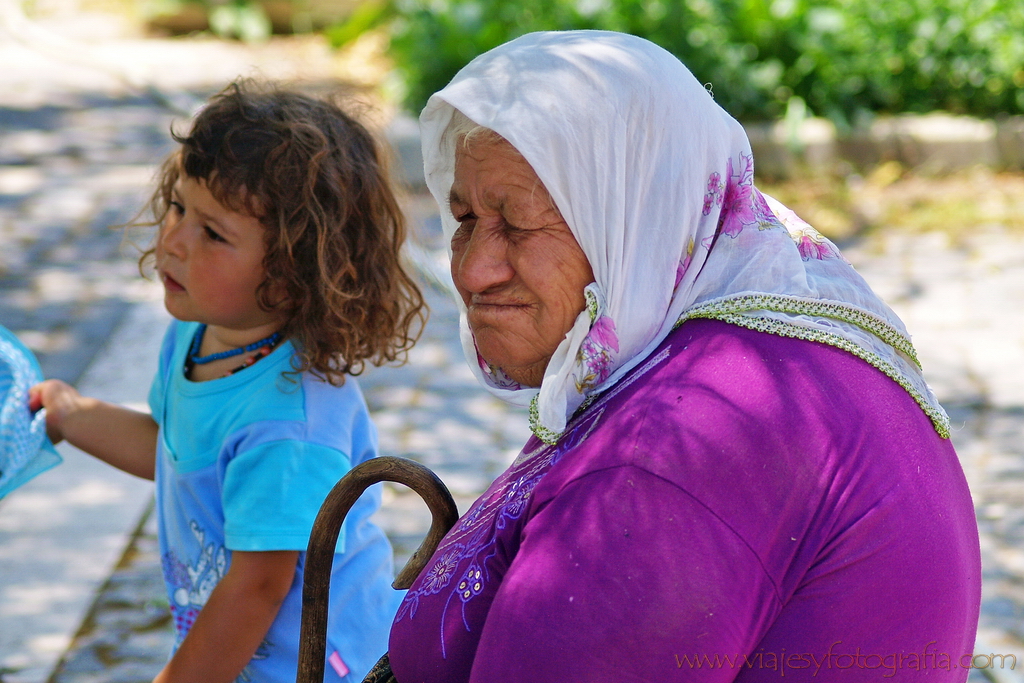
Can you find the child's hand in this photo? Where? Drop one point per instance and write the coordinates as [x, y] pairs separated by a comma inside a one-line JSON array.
[[120, 436], [59, 399]]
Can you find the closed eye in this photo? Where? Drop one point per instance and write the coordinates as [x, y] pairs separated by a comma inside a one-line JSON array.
[[466, 221], [464, 216], [212, 234], [513, 230], [177, 207]]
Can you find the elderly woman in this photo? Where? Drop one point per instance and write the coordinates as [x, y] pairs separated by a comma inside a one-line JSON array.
[[738, 471]]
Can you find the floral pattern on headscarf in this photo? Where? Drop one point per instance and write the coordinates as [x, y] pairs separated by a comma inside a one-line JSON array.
[[713, 197], [684, 265], [597, 354], [809, 242], [738, 208], [496, 376], [812, 244]]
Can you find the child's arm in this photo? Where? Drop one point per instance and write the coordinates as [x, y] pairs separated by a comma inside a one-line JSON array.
[[234, 620], [120, 436]]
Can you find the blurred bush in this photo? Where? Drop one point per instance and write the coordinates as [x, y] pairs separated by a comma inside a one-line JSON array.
[[843, 59], [247, 20]]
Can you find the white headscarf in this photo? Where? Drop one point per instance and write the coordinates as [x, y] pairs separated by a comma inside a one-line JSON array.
[[655, 181]]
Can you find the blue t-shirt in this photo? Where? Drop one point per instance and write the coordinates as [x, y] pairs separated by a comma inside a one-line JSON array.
[[244, 463]]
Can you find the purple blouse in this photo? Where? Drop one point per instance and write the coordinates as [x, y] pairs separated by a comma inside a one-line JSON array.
[[742, 506]]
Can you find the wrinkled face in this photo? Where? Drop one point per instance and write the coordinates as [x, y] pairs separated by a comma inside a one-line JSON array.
[[210, 260], [515, 263]]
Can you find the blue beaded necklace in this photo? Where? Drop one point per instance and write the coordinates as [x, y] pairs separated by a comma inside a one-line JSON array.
[[197, 340]]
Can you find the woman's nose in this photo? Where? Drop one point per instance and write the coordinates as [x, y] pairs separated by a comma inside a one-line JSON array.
[[481, 261]]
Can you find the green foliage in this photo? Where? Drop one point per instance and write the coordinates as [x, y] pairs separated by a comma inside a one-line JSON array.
[[368, 15], [844, 58], [240, 19], [246, 20]]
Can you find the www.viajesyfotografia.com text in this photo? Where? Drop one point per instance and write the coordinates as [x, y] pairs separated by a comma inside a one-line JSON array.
[[886, 664]]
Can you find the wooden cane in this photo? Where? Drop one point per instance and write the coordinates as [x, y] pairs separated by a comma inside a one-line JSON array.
[[324, 536]]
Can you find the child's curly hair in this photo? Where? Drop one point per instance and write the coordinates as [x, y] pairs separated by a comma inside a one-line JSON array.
[[317, 181]]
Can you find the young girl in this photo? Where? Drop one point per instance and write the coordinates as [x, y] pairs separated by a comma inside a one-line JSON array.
[[278, 252]]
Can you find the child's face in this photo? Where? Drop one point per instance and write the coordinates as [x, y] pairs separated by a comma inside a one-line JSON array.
[[210, 260]]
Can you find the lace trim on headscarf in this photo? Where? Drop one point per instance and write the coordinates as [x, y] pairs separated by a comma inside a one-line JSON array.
[[835, 310], [726, 312]]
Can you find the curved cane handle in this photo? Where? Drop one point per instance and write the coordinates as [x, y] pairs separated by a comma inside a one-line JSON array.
[[324, 536]]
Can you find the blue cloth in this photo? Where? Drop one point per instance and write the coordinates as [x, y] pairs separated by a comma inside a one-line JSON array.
[[244, 463], [25, 451]]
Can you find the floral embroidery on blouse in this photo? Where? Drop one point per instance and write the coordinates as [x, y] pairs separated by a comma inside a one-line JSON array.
[[470, 517], [440, 575], [472, 584], [409, 605], [575, 437], [475, 538], [515, 500]]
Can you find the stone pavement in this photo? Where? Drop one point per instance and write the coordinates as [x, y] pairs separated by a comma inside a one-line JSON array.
[[81, 598]]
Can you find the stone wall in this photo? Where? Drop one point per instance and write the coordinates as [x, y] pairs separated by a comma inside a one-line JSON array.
[[932, 143]]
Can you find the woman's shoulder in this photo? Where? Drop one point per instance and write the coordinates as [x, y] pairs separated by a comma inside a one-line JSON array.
[[712, 370], [721, 403]]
